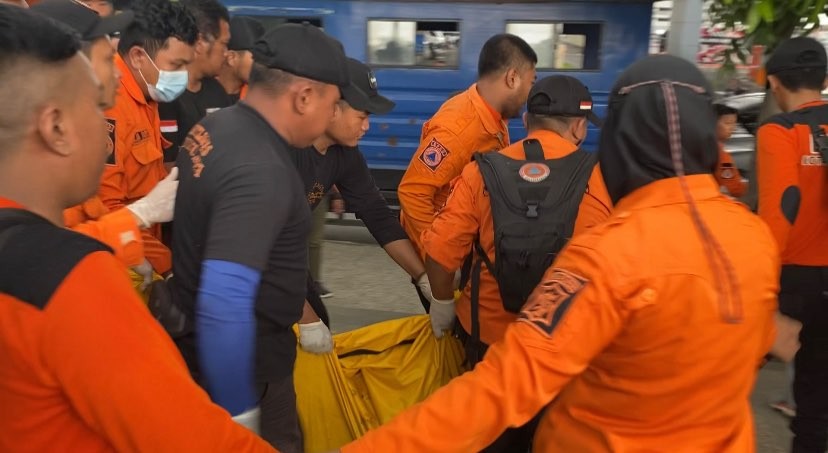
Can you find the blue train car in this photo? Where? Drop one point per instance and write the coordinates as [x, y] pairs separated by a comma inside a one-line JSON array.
[[425, 51]]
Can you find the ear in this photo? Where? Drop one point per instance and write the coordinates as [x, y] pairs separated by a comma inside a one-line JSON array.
[[231, 58], [512, 78], [773, 82], [53, 129], [303, 98], [135, 57], [202, 45]]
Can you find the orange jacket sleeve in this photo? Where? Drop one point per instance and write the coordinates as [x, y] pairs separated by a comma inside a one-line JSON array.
[[567, 321], [120, 232], [156, 252], [450, 237], [122, 373], [776, 168], [727, 175], [437, 161], [596, 205]]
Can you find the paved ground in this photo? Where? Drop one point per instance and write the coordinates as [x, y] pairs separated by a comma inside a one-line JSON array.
[[369, 287]]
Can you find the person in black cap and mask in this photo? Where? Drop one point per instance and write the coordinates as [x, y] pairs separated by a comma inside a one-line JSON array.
[[335, 159], [792, 176], [204, 94], [648, 330], [242, 220], [235, 72]]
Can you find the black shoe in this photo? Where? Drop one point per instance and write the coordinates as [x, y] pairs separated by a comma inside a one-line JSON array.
[[323, 292]]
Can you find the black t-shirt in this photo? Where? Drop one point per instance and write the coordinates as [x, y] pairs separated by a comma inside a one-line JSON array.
[[180, 115], [240, 199], [345, 168]]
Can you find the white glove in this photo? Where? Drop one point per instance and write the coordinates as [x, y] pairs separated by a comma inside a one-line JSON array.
[[442, 316], [315, 338], [249, 419], [157, 206], [145, 270]]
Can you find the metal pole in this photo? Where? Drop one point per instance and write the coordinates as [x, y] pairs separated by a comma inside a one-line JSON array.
[[685, 27]]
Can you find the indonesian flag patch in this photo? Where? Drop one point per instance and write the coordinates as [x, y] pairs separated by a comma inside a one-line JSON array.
[[169, 126], [586, 105]]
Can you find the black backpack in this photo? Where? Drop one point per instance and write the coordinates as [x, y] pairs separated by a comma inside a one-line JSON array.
[[534, 206], [814, 117]]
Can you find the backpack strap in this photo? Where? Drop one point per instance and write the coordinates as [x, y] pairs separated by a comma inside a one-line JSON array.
[[36, 256], [533, 151]]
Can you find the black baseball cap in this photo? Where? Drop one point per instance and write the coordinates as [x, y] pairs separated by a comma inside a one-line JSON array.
[[797, 53], [561, 96], [303, 50], [361, 93], [83, 19], [244, 32]]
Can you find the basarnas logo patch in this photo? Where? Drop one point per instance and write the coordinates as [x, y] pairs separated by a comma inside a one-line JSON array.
[[434, 154]]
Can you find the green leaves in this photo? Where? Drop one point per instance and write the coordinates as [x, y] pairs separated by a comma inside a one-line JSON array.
[[766, 22]]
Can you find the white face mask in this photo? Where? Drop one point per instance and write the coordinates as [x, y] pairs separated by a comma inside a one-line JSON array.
[[170, 84]]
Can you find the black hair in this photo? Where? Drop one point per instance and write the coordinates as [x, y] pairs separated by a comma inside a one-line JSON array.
[[504, 51], [155, 22], [208, 15], [802, 78], [25, 34], [722, 110], [273, 80]]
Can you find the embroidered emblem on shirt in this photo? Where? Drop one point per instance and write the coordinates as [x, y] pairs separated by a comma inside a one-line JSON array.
[[434, 154], [551, 299], [140, 136]]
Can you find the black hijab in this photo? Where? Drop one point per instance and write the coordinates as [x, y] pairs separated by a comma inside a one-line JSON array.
[[634, 148]]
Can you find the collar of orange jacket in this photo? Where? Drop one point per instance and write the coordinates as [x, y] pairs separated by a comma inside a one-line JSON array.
[[129, 82], [668, 191], [811, 104], [492, 121], [6, 203]]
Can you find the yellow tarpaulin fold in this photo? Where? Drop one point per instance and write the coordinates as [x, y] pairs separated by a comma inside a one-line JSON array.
[[374, 373]]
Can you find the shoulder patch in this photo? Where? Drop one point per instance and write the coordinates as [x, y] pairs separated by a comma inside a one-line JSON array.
[[37, 257], [433, 155], [551, 299], [110, 127]]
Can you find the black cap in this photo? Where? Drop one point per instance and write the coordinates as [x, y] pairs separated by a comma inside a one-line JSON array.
[[83, 19], [561, 96], [361, 93], [797, 53], [244, 32], [305, 51]]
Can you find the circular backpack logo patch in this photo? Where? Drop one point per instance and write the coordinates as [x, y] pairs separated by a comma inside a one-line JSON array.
[[533, 172]]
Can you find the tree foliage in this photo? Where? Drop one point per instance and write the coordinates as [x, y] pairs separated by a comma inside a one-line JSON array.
[[765, 22]]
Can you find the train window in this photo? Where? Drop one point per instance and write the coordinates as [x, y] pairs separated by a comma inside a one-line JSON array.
[[272, 21], [561, 46], [426, 43]]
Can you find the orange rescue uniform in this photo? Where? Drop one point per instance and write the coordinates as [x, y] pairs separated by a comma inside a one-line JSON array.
[[136, 164], [468, 213], [627, 336], [785, 157], [86, 368], [728, 176], [118, 229], [465, 124]]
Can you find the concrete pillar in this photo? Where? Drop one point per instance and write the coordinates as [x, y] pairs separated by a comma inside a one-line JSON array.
[[685, 28]]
